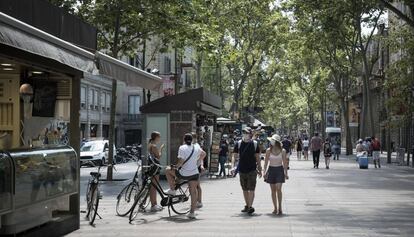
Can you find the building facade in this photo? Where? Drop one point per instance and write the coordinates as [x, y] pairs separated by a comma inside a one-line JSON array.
[[95, 100], [177, 70]]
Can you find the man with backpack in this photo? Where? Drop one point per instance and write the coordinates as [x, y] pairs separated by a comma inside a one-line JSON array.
[[249, 167], [376, 148]]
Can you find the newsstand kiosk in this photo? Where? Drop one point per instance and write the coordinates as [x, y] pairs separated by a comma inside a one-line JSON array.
[[173, 116], [39, 123]]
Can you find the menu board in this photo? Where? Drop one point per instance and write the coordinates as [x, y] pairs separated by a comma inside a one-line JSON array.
[[44, 99], [215, 149]]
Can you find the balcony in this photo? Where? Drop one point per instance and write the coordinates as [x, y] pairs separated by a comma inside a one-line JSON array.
[[132, 118]]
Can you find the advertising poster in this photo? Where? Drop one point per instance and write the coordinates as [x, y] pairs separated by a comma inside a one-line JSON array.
[[353, 115], [168, 86]]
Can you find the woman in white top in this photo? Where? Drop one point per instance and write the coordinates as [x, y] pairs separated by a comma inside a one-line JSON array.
[[275, 169], [186, 169]]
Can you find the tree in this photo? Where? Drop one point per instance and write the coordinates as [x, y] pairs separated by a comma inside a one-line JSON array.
[[330, 31]]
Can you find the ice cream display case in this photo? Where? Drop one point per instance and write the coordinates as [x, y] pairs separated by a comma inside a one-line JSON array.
[[35, 186]]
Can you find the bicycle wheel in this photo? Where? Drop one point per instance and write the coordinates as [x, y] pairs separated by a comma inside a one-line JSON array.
[[93, 207], [181, 202], [140, 203], [126, 199], [88, 199]]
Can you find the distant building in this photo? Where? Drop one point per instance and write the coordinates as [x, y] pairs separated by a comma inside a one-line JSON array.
[[174, 66]]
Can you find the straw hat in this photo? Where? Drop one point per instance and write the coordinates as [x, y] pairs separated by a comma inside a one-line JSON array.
[[275, 138]]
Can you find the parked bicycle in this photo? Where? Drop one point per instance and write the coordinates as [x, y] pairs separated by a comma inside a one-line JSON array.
[[177, 203], [126, 198], [128, 153], [92, 196]]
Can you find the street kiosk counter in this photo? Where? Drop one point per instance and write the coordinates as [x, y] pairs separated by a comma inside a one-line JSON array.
[[35, 186]]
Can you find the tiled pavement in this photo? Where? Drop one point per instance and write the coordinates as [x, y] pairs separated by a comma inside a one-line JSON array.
[[341, 201]]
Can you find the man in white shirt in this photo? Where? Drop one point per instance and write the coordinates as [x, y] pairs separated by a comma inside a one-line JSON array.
[[186, 169]]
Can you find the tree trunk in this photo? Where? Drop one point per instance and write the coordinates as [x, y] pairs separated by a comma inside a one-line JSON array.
[[345, 114], [323, 115], [111, 132], [198, 69], [144, 46], [113, 101]]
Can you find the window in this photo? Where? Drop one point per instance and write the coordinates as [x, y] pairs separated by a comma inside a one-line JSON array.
[[108, 101], [134, 102], [83, 97], [167, 65], [91, 99], [103, 101], [96, 99]]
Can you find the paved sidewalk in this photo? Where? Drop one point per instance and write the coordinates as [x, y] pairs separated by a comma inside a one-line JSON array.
[[342, 201]]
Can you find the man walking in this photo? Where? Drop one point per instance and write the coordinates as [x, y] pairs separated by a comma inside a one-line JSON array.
[[249, 167], [376, 148], [316, 145]]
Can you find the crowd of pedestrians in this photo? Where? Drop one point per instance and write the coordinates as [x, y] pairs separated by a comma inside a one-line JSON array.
[[247, 161]]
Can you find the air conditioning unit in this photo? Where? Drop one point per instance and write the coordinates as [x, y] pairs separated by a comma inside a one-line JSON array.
[[91, 106]]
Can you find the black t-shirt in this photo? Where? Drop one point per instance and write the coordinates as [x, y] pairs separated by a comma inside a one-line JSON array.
[[247, 156], [286, 145], [223, 150]]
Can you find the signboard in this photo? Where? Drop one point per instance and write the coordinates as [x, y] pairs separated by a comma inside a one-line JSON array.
[[168, 85], [353, 115], [44, 100], [330, 119]]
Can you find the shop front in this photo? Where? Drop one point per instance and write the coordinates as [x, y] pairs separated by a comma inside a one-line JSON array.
[[40, 130], [173, 116], [39, 124]]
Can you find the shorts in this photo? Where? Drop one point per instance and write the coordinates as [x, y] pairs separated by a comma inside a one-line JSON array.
[[187, 178], [305, 149], [376, 155], [248, 180]]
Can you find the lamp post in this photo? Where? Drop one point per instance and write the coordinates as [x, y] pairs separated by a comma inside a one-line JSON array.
[[411, 140]]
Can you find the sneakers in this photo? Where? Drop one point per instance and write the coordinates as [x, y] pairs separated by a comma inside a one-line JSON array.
[[246, 209], [170, 192], [250, 211], [191, 215], [199, 204], [156, 208]]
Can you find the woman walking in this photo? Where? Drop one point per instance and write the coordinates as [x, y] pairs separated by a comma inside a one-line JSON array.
[[299, 148], [224, 150], [305, 144], [275, 170], [327, 152], [155, 154]]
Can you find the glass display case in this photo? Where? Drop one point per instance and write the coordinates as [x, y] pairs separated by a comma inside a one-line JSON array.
[[6, 183], [43, 173]]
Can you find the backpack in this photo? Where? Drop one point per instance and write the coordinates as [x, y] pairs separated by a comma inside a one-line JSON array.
[[327, 149], [240, 141]]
